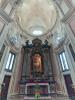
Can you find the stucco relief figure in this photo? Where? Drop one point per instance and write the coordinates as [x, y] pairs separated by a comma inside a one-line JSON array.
[[37, 63]]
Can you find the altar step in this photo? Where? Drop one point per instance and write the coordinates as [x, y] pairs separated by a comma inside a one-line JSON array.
[[41, 98]]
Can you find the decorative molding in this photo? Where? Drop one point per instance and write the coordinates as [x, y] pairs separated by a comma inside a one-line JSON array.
[[4, 16], [68, 16]]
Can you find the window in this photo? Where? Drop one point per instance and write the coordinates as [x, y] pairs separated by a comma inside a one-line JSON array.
[[10, 61], [63, 61]]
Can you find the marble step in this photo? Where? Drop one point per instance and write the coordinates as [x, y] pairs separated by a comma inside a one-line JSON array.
[[41, 98]]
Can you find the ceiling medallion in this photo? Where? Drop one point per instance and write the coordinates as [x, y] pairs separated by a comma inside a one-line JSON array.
[[36, 17]]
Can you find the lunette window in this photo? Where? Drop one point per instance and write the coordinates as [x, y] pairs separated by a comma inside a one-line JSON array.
[[10, 61], [63, 61]]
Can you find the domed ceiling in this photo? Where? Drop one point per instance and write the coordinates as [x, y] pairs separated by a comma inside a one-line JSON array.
[[36, 17]]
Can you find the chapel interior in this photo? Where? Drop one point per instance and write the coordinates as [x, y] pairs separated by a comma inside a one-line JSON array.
[[37, 49]]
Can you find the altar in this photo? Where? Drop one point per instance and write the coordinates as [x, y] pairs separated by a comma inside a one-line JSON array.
[[41, 89], [37, 78]]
